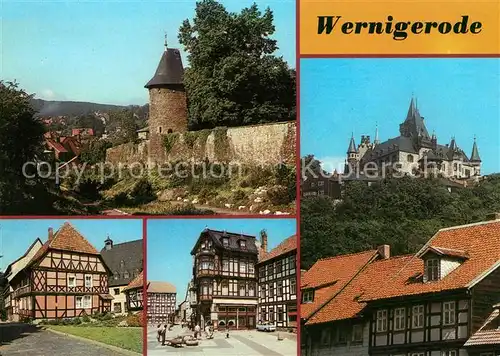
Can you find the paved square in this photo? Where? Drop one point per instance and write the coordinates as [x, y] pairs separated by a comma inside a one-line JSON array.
[[239, 343]]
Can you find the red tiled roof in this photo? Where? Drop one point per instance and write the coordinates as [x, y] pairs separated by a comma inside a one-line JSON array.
[[55, 145], [445, 252], [346, 304], [137, 282], [329, 276], [285, 246], [67, 238], [489, 333], [481, 243]]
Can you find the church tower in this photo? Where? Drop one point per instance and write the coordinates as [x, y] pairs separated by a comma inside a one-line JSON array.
[[475, 159], [167, 101]]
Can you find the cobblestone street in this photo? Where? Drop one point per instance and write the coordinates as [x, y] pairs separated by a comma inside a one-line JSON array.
[[22, 339], [239, 343]]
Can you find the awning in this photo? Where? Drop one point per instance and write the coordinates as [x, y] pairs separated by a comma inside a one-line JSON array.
[[106, 296]]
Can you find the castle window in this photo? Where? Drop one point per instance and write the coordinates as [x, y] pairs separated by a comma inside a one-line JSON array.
[[409, 158], [169, 131], [159, 129], [432, 269]]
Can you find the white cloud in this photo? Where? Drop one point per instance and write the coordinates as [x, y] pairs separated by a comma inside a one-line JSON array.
[[331, 163], [47, 94]]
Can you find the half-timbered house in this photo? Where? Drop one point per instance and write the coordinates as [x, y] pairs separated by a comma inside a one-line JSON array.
[[427, 304], [10, 274], [225, 279], [125, 261], [134, 296], [161, 300], [65, 278], [486, 341], [277, 283]]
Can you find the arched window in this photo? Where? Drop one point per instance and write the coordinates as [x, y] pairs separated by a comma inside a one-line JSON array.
[[169, 131], [159, 129], [409, 158]]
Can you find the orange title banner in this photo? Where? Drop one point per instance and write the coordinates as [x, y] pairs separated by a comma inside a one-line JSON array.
[[399, 27]]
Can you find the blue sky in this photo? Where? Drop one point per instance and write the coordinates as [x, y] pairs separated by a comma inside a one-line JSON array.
[[455, 96], [17, 235], [104, 51], [170, 242]]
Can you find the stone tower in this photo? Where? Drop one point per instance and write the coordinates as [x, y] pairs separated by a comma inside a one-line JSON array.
[[352, 157], [167, 102]]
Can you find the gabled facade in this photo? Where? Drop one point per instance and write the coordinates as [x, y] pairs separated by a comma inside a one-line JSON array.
[[125, 260], [277, 271], [225, 279], [486, 341], [162, 301], [134, 294], [65, 278], [427, 304]]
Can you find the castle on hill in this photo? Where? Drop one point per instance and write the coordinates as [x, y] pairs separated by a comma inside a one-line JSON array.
[[413, 150]]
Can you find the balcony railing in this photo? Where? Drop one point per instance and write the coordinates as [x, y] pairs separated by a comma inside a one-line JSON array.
[[203, 298], [20, 291], [207, 272], [209, 252]]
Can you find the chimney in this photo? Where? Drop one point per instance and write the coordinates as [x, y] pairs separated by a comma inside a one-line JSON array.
[[263, 240], [384, 251], [493, 216], [51, 233]]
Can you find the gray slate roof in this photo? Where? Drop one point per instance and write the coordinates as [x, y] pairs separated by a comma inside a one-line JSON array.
[[123, 259], [234, 238]]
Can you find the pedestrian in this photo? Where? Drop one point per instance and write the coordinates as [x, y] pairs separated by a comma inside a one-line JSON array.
[[227, 331], [159, 332], [207, 330], [196, 331], [163, 335]]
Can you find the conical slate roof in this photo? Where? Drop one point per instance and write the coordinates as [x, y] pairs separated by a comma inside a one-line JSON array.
[[474, 157], [352, 146], [414, 123], [170, 70]]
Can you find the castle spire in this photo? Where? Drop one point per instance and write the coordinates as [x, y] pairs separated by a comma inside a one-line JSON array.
[[376, 141], [170, 71], [474, 157], [352, 145]]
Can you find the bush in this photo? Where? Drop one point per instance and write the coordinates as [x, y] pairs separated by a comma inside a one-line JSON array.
[[85, 319], [142, 192], [278, 195], [76, 321], [134, 320], [238, 196]]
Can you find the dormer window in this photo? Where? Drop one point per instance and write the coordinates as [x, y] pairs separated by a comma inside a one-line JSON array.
[[225, 241], [432, 269], [307, 296], [243, 244]]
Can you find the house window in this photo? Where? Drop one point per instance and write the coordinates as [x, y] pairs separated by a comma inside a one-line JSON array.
[[242, 289], [251, 290], [418, 316], [449, 313], [409, 158], [279, 291], [71, 281], [126, 275], [225, 265], [88, 281], [280, 314], [308, 296], [399, 319], [293, 286], [278, 267], [432, 269], [418, 354], [263, 291], [116, 291], [117, 307], [357, 333], [84, 302], [449, 353], [225, 242], [243, 244], [250, 268], [381, 321], [292, 262], [271, 290], [325, 336]]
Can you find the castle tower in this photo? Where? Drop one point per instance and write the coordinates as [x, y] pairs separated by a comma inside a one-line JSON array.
[[167, 101], [475, 159], [352, 156]]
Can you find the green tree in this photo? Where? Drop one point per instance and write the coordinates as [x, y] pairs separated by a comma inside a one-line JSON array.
[[234, 79], [21, 136], [403, 213], [95, 151], [122, 126]]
